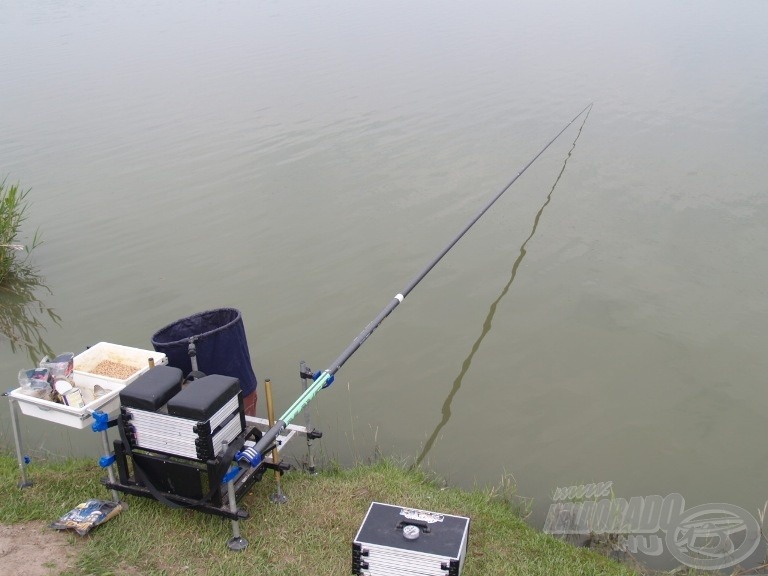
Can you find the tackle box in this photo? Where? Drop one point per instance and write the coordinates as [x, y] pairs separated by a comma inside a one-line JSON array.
[[400, 541]]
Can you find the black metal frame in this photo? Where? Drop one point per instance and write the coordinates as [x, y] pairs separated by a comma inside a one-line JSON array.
[[187, 482]]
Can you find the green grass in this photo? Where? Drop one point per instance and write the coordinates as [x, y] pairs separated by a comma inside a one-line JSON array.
[[311, 534]]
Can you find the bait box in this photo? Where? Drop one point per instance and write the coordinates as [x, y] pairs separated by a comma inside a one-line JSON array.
[[87, 361], [85, 381], [69, 415]]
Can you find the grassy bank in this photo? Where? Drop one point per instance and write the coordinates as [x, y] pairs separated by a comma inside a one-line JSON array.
[[311, 534]]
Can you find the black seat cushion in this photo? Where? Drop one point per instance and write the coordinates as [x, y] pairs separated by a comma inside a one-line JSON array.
[[153, 389], [202, 398]]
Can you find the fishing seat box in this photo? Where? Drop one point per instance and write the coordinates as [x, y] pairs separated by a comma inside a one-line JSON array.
[[398, 541], [194, 422]]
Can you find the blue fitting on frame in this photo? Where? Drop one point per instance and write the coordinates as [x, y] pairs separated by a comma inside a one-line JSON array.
[[100, 421], [249, 455], [107, 461], [231, 475], [327, 382]]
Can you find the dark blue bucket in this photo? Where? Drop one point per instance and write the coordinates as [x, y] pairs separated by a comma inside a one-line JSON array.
[[219, 337]]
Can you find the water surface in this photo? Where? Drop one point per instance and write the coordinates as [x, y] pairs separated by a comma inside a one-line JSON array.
[[301, 161]]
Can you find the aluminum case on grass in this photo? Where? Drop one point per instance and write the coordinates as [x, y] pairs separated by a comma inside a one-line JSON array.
[[401, 541]]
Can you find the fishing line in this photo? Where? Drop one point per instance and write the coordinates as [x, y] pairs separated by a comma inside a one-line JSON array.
[[254, 455], [487, 324]]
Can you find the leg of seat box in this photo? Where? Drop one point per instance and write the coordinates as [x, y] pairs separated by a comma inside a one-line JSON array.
[[122, 463], [101, 425], [237, 542], [306, 375], [17, 439], [108, 461]]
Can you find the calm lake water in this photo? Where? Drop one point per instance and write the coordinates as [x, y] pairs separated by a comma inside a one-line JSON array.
[[301, 161]]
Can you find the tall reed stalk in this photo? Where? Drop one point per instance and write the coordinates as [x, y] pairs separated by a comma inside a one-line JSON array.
[[22, 312], [13, 212]]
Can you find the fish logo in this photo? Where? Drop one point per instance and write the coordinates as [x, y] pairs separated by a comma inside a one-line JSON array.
[[713, 536]]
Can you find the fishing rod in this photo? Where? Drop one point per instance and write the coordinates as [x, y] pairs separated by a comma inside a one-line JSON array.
[[446, 410], [254, 455]]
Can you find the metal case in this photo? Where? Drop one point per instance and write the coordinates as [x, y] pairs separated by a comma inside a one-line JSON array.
[[398, 541]]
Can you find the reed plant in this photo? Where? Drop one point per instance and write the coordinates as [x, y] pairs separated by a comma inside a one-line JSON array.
[[13, 212], [23, 314]]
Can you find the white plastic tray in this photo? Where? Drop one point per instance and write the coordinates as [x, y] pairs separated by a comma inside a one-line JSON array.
[[88, 360], [68, 415], [85, 381]]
